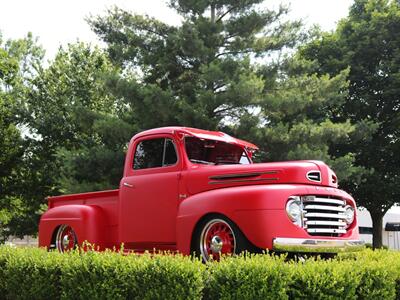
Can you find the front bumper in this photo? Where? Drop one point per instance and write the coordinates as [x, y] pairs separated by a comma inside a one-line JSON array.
[[316, 245]]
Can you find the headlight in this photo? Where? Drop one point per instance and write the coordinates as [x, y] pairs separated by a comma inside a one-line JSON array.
[[294, 210], [349, 214]]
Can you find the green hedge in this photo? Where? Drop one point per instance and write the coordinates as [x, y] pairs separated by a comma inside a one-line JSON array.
[[247, 277], [37, 274]]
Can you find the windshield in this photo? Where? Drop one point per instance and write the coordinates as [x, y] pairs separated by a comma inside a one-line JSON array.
[[210, 152]]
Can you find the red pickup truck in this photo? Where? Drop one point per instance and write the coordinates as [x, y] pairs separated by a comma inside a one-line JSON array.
[[192, 190]]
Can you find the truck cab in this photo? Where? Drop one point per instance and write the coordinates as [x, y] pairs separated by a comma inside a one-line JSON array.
[[191, 190]]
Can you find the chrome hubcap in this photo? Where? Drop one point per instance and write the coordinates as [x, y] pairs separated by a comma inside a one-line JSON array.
[[216, 239], [216, 244], [65, 238], [65, 241]]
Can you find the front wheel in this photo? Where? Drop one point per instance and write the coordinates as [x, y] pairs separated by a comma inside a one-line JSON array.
[[66, 238], [218, 236]]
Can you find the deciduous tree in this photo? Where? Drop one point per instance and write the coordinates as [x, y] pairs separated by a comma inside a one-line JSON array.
[[78, 122], [19, 61], [294, 118], [368, 42]]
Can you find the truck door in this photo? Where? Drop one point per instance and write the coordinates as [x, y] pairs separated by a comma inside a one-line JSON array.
[[149, 195]]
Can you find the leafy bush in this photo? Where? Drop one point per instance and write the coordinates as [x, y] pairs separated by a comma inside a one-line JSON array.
[[324, 279], [108, 275], [247, 277], [380, 272], [37, 274], [30, 273]]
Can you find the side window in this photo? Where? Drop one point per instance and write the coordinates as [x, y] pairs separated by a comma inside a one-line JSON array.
[[154, 153], [243, 159], [170, 157], [149, 154]]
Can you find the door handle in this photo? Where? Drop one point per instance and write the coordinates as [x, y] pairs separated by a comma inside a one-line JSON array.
[[128, 185]]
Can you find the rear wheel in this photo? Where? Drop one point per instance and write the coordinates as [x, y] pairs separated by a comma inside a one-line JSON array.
[[217, 236], [66, 238]]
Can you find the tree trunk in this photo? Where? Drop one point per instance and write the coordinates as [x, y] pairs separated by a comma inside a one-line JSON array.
[[377, 222], [212, 13]]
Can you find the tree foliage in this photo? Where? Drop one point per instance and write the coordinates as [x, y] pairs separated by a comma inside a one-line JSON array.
[[214, 71], [294, 121], [19, 60], [199, 73], [61, 130], [64, 127], [368, 41], [78, 121]]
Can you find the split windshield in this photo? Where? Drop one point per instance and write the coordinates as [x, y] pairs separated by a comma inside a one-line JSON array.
[[210, 152]]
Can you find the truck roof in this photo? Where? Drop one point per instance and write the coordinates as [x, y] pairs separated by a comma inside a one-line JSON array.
[[199, 133]]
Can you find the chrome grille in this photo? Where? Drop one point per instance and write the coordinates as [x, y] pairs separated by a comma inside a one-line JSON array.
[[324, 215]]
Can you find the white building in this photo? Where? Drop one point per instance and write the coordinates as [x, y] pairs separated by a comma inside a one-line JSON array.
[[26, 241], [390, 230]]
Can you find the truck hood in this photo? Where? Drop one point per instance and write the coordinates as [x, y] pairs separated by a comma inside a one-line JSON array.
[[201, 178]]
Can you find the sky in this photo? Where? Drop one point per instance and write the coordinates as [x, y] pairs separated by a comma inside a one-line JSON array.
[[58, 22]]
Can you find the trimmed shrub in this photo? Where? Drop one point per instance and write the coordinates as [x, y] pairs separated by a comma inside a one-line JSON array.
[[37, 274], [5, 253], [108, 275], [324, 279], [380, 274], [94, 275], [163, 277], [247, 277], [30, 274]]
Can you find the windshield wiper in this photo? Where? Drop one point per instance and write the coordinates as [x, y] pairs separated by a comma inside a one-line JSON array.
[[202, 162]]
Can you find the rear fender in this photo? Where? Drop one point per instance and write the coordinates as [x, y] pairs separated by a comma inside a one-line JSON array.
[[87, 222]]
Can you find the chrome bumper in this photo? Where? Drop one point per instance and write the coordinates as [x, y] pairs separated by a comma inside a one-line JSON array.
[[316, 245]]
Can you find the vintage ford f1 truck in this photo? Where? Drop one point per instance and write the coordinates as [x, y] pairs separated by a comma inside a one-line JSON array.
[[190, 190]]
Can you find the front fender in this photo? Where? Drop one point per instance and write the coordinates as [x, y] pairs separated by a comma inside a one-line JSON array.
[[258, 210], [228, 202], [86, 220]]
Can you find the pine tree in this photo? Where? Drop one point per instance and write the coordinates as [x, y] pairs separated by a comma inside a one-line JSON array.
[[199, 73]]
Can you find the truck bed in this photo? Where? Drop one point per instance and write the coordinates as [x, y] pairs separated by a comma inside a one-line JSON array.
[[100, 198], [107, 201]]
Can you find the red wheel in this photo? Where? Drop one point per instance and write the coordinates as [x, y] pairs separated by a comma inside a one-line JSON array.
[[66, 238], [217, 238]]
